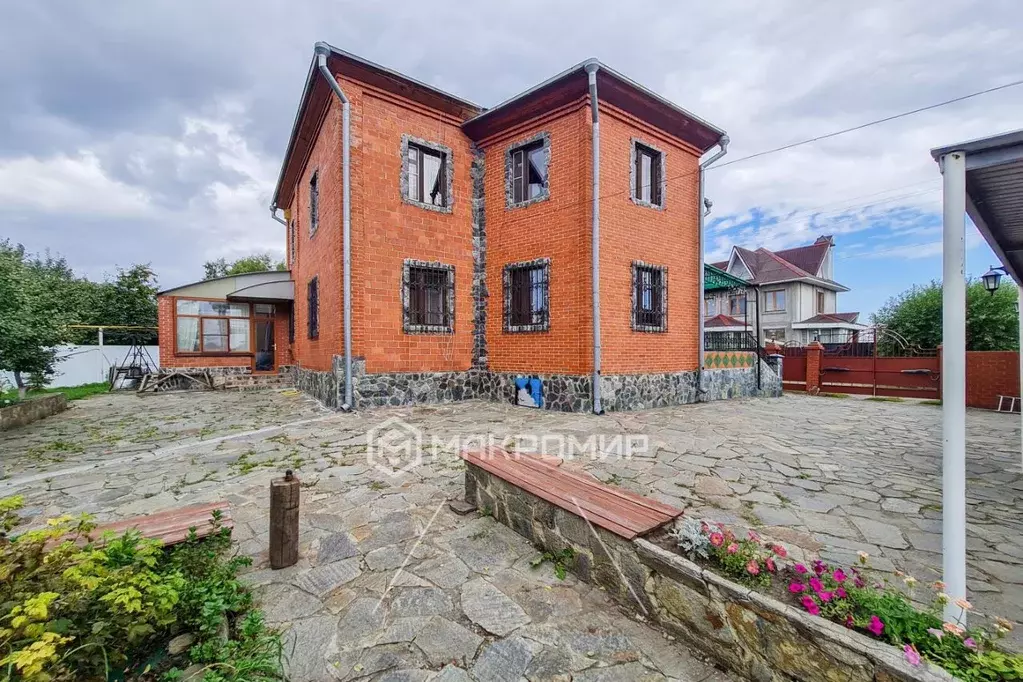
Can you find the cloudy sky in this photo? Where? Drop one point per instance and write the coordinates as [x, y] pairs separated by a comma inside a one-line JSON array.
[[153, 131]]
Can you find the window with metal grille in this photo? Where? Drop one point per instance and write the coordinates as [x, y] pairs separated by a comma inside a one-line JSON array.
[[528, 168], [314, 203], [428, 294], [291, 243], [313, 301], [427, 183], [291, 324], [526, 295], [649, 298], [646, 174]]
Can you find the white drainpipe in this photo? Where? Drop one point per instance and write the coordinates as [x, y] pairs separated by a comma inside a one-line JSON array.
[[591, 71], [723, 144], [322, 51]]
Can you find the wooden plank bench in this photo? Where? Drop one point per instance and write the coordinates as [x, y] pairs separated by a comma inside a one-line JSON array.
[[171, 527], [621, 512]]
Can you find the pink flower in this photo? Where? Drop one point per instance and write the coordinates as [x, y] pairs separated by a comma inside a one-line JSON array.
[[796, 588], [839, 576], [825, 596], [840, 593], [717, 539], [819, 567], [816, 584], [970, 643], [770, 564], [859, 582], [800, 569], [849, 622], [733, 548], [876, 626], [753, 568], [780, 551], [953, 628], [752, 535], [811, 606], [912, 655], [935, 632]]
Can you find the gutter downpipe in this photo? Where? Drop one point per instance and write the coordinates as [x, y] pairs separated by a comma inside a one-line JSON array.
[[322, 50], [723, 144], [591, 71]]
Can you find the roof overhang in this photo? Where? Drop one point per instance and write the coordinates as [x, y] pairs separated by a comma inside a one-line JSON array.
[[732, 328], [994, 193], [228, 287], [316, 97], [716, 279], [823, 283], [829, 325], [268, 292], [614, 88]]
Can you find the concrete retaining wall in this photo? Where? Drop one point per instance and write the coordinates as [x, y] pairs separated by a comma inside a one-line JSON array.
[[31, 410]]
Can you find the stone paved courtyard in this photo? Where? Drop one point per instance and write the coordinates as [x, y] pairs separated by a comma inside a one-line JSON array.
[[393, 585]]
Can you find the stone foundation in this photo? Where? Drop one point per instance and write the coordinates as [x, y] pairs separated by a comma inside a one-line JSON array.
[[562, 392], [31, 410], [748, 633]]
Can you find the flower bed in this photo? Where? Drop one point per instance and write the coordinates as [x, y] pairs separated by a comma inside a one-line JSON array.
[[75, 609], [857, 599]]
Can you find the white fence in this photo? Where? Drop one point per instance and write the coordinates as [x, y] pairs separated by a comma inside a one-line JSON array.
[[88, 364]]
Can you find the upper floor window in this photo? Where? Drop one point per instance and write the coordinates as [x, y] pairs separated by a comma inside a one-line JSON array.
[[820, 302], [426, 173], [647, 175], [774, 301], [649, 298], [710, 306], [313, 307], [737, 304], [428, 292], [526, 296], [314, 203], [291, 243], [526, 168]]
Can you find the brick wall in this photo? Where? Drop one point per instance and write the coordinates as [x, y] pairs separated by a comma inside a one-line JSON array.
[[667, 237], [557, 228], [990, 374], [319, 255]]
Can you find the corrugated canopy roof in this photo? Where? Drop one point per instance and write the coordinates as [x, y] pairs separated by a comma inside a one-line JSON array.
[[994, 193]]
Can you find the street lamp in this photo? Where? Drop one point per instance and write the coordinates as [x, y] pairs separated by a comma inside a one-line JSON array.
[[992, 278]]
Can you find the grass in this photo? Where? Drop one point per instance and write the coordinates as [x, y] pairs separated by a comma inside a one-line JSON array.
[[833, 395], [885, 399], [930, 402], [70, 392]]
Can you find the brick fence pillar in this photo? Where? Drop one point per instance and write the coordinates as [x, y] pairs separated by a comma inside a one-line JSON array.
[[814, 349]]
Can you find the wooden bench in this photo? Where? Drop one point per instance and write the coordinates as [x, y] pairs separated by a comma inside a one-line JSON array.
[[619, 511], [172, 526]]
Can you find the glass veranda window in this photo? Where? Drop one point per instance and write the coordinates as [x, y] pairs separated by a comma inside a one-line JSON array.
[[212, 327]]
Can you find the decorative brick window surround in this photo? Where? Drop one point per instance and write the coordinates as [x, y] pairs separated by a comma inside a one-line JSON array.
[[649, 297], [527, 171], [427, 297], [527, 296], [655, 165], [414, 190]]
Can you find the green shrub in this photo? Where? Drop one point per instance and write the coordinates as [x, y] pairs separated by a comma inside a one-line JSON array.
[[75, 607]]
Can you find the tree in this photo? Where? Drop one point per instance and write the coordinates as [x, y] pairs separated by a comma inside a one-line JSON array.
[[260, 262], [129, 300], [991, 319], [33, 313]]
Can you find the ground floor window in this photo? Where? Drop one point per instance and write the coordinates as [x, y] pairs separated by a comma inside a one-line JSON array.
[[428, 294], [526, 296], [649, 297], [212, 327]]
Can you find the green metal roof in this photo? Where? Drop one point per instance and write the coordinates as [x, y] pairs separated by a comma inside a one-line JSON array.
[[715, 279]]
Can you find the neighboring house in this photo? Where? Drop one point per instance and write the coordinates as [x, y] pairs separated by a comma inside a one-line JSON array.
[[795, 290], [471, 249]]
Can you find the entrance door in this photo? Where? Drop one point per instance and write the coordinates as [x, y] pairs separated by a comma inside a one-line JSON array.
[[264, 339]]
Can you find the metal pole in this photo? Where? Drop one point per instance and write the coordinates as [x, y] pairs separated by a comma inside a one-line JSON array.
[[102, 360], [953, 379], [591, 71]]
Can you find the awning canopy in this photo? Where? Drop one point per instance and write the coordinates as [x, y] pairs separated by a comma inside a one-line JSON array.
[[715, 279], [994, 193], [268, 292]]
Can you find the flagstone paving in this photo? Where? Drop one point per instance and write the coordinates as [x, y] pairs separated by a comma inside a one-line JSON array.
[[393, 585]]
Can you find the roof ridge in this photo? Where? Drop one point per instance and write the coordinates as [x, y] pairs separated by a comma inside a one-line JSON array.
[[797, 270]]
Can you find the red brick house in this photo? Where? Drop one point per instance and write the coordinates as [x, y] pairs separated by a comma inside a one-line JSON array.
[[471, 240]]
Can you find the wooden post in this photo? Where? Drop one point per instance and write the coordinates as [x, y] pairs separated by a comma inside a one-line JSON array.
[[284, 499]]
